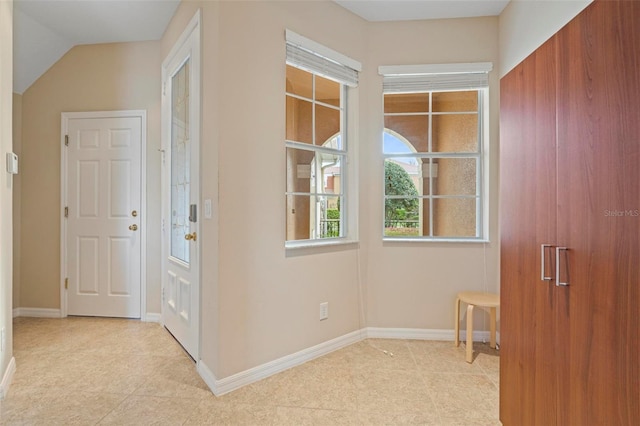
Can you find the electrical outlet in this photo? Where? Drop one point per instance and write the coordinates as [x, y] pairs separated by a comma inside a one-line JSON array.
[[324, 311]]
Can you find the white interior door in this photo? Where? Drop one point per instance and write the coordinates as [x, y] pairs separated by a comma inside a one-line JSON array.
[[103, 211], [181, 189]]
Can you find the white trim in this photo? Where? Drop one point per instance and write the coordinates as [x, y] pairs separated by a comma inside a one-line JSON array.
[[152, 317], [37, 313], [208, 377], [426, 69], [296, 39], [7, 378], [422, 334], [64, 128], [228, 384], [186, 33]]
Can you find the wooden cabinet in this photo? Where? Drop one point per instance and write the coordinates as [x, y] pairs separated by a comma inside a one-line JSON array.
[[570, 177], [528, 220]]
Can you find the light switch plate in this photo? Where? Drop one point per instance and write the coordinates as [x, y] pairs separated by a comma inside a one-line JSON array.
[[12, 163], [207, 209]]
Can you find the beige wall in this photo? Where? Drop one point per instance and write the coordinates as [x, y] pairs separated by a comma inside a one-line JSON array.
[[6, 182], [270, 301], [261, 302], [17, 148], [87, 78], [413, 285], [526, 24]]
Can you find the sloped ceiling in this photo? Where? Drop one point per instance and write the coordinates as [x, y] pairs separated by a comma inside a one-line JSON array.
[[44, 30]]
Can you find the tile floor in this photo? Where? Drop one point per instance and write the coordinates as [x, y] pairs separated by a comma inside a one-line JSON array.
[[88, 371]]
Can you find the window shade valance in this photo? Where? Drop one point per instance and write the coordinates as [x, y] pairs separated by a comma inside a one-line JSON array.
[[418, 78], [316, 58]]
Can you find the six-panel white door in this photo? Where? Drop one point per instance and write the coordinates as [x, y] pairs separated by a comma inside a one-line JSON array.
[[103, 217]]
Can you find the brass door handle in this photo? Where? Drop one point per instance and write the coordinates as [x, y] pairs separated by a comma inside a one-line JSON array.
[[133, 227], [191, 236]]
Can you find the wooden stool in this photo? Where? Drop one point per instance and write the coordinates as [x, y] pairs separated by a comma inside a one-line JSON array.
[[472, 299]]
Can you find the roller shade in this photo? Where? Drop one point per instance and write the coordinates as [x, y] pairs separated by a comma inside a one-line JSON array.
[[436, 77], [313, 57]]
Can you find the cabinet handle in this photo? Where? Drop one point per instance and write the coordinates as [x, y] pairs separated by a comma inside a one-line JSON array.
[[558, 250], [543, 252]]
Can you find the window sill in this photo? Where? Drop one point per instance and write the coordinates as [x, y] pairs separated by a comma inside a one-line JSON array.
[[302, 248], [438, 240]]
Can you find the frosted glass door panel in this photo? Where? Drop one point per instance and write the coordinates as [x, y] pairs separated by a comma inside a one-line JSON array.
[[180, 164]]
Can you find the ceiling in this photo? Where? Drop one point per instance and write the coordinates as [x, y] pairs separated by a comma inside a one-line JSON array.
[[403, 10], [44, 30]]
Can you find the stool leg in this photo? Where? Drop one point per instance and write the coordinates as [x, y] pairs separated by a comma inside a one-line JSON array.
[[470, 333], [457, 323], [493, 328]]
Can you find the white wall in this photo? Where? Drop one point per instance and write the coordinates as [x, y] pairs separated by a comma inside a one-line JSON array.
[[526, 24], [6, 182]]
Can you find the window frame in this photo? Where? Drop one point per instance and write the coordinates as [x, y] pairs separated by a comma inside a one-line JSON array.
[[348, 105], [422, 74]]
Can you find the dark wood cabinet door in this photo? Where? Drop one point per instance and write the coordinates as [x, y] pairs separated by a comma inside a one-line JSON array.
[[599, 214], [528, 220]]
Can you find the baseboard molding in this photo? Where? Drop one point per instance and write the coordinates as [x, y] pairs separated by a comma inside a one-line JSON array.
[[208, 377], [152, 317], [228, 384], [422, 334], [37, 313], [7, 378]]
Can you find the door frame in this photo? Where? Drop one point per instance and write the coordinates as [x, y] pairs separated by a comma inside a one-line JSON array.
[[66, 116], [193, 28]]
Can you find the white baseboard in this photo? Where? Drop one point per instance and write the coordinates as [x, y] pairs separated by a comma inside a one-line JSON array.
[[37, 313], [422, 334], [152, 317], [228, 384], [243, 378], [208, 377], [7, 378]]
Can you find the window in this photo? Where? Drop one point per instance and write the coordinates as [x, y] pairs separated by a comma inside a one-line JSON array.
[[434, 153], [318, 206]]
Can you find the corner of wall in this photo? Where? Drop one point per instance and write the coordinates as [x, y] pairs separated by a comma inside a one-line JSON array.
[[6, 190]]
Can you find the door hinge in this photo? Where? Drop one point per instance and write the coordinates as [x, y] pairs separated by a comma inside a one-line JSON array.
[[163, 295], [66, 140], [66, 212], [66, 283]]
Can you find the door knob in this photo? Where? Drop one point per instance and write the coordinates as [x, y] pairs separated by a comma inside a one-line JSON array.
[[191, 236], [133, 227]]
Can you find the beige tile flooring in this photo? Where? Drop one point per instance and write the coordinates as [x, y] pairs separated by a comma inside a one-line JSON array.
[[87, 371]]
